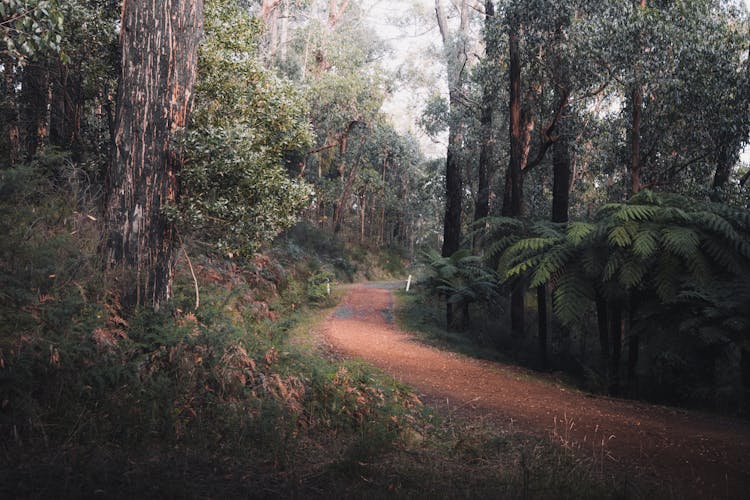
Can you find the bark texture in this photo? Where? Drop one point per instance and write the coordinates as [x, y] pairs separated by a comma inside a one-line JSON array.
[[159, 40]]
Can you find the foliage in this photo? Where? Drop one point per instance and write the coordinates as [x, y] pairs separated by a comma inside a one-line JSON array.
[[30, 27], [657, 242], [246, 124]]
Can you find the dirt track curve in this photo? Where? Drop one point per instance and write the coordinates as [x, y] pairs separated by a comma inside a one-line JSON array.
[[696, 455]]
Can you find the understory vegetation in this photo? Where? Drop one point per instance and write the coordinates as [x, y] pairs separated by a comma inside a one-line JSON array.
[[234, 397]]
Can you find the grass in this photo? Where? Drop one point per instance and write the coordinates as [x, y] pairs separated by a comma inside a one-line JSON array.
[[235, 400]]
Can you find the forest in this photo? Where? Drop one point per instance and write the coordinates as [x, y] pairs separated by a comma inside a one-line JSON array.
[[193, 193]]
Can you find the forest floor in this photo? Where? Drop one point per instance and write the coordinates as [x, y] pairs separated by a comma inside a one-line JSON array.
[[689, 454]]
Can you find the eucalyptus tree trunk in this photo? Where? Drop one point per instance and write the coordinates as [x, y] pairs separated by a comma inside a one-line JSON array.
[[159, 41], [515, 175], [487, 149], [456, 61]]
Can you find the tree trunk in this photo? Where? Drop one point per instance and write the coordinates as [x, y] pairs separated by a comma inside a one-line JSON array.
[[635, 140], [456, 60], [10, 111], [66, 109], [635, 159], [159, 40], [453, 194], [515, 176], [34, 96], [602, 319], [487, 148], [615, 330], [634, 343], [541, 297]]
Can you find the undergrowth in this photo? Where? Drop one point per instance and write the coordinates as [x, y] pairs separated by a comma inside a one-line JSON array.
[[234, 399]]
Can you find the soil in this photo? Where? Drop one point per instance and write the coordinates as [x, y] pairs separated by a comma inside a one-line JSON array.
[[689, 454]]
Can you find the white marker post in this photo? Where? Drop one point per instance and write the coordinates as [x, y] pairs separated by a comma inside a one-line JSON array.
[[408, 283], [328, 286]]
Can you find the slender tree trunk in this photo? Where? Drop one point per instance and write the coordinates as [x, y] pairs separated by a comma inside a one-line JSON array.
[[35, 96], [10, 113], [515, 175], [635, 159], [561, 176], [541, 297], [487, 148], [66, 109], [602, 319], [615, 330], [635, 140], [159, 40], [465, 317]]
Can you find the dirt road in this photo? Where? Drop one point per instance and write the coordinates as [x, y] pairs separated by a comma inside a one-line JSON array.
[[697, 455]]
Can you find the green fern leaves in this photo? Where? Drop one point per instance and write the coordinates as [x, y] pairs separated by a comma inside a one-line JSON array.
[[664, 243]]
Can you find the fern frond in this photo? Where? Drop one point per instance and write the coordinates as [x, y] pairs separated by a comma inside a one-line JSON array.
[[632, 273], [614, 262], [621, 235], [552, 262], [634, 213], [571, 298], [579, 231], [500, 245], [680, 240], [646, 243], [668, 276], [725, 257]]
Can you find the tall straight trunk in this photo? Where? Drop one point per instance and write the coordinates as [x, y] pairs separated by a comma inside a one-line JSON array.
[[34, 97], [561, 173], [66, 109], [602, 320], [453, 194], [487, 148], [10, 112], [515, 132], [724, 163], [541, 297], [635, 145], [635, 139], [515, 176], [159, 41], [615, 330]]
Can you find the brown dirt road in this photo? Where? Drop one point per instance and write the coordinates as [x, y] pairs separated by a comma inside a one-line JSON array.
[[692, 454]]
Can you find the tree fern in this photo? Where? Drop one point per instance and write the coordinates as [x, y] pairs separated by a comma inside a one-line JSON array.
[[680, 240]]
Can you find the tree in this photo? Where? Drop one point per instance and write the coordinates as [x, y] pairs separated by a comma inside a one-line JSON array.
[[246, 127], [455, 46], [159, 42]]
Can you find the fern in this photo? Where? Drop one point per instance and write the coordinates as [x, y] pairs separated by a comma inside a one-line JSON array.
[[632, 273], [679, 240], [571, 298], [646, 243], [578, 232], [620, 236]]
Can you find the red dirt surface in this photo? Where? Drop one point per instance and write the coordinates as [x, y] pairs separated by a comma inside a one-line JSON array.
[[688, 453]]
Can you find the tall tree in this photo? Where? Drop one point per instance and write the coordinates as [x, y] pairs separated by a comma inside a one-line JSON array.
[[159, 41], [456, 55], [489, 98]]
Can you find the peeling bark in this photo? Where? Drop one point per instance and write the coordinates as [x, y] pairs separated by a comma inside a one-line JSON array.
[[159, 40]]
